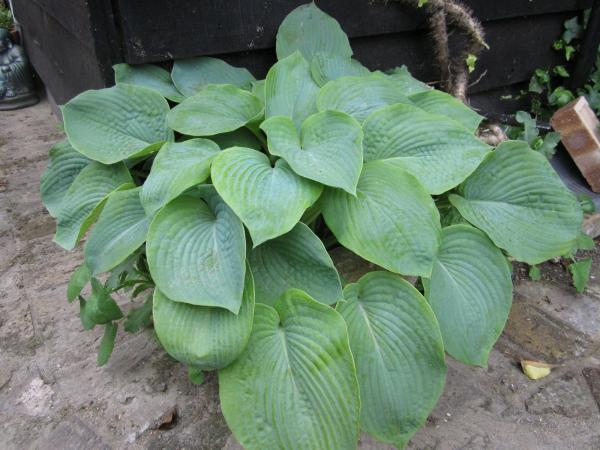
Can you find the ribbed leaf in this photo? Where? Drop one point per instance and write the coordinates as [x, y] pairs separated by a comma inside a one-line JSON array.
[[242, 137], [177, 167], [269, 200], [215, 109], [120, 230], [150, 76], [438, 151], [359, 96], [191, 75], [84, 199], [326, 67], [290, 90], [519, 201], [297, 260], [310, 30], [295, 384], [65, 165], [391, 222], [113, 124], [399, 355], [328, 148], [196, 250], [406, 83], [438, 102], [204, 337], [470, 291]]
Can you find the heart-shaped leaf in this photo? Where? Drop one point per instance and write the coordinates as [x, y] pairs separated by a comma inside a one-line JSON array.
[[406, 83], [298, 260], [399, 355], [85, 198], [269, 200], [391, 222], [295, 384], [519, 201], [215, 109], [203, 337], [438, 102], [150, 76], [120, 230], [470, 291], [359, 96], [438, 151], [196, 250], [177, 167], [290, 90], [113, 124], [326, 67], [309, 30], [191, 75], [65, 165], [328, 148]]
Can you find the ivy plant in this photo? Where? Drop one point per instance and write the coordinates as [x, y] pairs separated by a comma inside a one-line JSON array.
[[214, 198]]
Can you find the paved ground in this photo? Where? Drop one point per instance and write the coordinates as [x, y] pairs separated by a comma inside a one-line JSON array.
[[52, 395]]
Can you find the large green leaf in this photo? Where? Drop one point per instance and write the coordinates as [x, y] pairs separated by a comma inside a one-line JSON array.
[[215, 109], [438, 151], [399, 355], [150, 76], [517, 198], [242, 137], [391, 222], [326, 67], [113, 124], [84, 199], [204, 337], [191, 75], [270, 200], [328, 148], [65, 165], [297, 260], [177, 167], [407, 84], [310, 31], [290, 90], [120, 230], [196, 250], [359, 96], [295, 384], [470, 291], [438, 102]]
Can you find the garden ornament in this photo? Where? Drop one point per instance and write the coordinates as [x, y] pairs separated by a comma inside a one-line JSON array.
[[16, 84]]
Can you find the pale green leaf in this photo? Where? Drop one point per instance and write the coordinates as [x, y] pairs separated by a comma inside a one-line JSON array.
[[242, 137], [150, 76], [407, 84], [295, 384], [519, 201], [311, 31], [121, 229], [296, 260], [580, 273], [391, 222], [196, 250], [191, 75], [113, 124], [65, 165], [177, 167], [399, 355], [438, 151], [326, 67], [215, 109], [107, 343], [79, 279], [204, 337], [327, 149], [196, 376], [84, 199], [270, 200], [470, 291], [100, 308], [535, 273], [438, 102]]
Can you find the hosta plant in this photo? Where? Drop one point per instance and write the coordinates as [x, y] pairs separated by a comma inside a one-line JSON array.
[[215, 197]]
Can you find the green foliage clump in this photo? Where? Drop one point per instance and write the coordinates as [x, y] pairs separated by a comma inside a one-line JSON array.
[[6, 19], [216, 197]]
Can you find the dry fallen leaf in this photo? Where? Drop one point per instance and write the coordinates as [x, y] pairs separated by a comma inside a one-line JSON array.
[[536, 369]]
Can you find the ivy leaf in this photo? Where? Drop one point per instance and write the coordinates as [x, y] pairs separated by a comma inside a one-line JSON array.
[[580, 273], [470, 61], [100, 308], [107, 343], [513, 195], [328, 148], [140, 317], [270, 200], [573, 29], [296, 377], [391, 221], [117, 123], [530, 130], [326, 67], [548, 147], [561, 71], [150, 76], [196, 249], [79, 279]]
